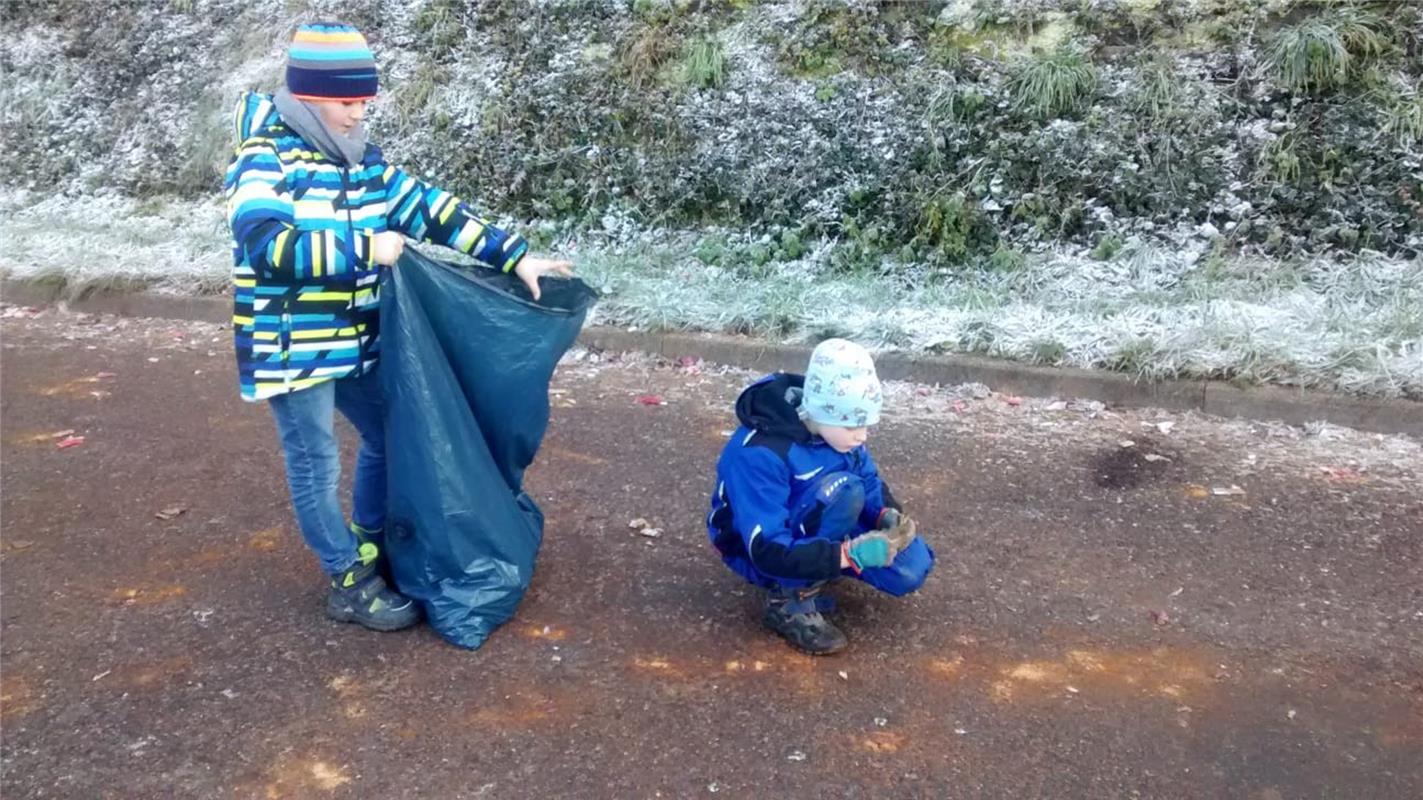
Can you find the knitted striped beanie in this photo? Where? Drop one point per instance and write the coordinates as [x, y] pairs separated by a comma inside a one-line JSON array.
[[330, 61]]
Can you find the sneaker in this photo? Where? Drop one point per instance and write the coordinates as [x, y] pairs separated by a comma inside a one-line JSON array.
[[796, 616], [361, 596]]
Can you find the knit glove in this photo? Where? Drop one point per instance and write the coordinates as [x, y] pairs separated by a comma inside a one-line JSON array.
[[868, 550], [903, 533]]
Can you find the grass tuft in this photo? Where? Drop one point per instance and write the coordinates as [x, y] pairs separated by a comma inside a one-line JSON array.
[[1050, 85], [704, 65], [1325, 52]]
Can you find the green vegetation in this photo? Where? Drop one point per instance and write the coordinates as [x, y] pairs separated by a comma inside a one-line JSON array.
[[1326, 52], [1053, 84], [704, 66]]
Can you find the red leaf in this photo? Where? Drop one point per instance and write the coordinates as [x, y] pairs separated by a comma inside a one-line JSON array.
[[68, 442], [651, 400], [1013, 400]]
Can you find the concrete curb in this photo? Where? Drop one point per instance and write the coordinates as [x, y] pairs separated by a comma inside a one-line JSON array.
[[1293, 406]]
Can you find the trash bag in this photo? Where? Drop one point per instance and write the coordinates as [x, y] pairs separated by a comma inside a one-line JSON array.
[[466, 358]]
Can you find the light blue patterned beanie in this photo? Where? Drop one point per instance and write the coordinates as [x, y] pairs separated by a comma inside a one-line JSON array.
[[841, 387]]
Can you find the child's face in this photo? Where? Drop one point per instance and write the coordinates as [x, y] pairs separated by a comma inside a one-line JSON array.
[[341, 115], [842, 440]]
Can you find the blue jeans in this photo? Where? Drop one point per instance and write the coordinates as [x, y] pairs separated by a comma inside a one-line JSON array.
[[306, 426]]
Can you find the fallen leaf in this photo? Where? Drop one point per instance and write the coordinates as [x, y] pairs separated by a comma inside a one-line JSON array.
[[1160, 617], [959, 407], [637, 523], [172, 512], [1342, 474], [651, 400], [651, 533], [72, 441], [1013, 400]]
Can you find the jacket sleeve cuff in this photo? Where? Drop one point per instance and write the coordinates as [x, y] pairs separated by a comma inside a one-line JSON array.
[[515, 248]]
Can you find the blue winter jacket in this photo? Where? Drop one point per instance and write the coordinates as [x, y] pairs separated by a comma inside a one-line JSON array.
[[771, 461], [306, 300]]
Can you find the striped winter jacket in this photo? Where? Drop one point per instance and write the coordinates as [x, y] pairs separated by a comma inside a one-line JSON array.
[[307, 292]]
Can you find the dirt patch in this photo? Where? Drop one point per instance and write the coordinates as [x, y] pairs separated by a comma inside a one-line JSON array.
[[1129, 464]]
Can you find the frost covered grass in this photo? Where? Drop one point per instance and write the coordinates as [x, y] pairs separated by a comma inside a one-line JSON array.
[[1354, 326], [113, 243]]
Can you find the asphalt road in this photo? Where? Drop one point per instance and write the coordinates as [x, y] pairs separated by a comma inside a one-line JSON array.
[[1126, 605]]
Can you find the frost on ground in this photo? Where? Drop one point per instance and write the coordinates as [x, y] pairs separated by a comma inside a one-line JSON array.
[[1354, 326], [1318, 452], [1329, 454]]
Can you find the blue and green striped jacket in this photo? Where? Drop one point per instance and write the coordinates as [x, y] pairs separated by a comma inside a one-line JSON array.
[[307, 293]]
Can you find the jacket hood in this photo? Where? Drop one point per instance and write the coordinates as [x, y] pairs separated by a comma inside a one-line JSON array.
[[254, 112], [765, 407]]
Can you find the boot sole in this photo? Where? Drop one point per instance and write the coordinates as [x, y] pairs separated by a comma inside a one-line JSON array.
[[800, 648], [830, 652], [384, 626]]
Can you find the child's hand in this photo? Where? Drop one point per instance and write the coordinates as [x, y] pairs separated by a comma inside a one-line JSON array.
[[530, 269], [867, 550], [903, 533], [387, 247]]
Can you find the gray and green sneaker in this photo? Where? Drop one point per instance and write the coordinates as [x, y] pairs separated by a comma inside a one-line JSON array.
[[360, 595]]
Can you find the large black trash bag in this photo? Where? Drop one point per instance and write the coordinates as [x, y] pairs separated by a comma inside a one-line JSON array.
[[466, 358]]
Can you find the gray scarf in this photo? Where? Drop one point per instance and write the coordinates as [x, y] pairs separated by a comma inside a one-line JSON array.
[[306, 121]]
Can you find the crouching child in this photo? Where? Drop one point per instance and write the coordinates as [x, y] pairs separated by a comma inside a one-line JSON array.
[[799, 502]]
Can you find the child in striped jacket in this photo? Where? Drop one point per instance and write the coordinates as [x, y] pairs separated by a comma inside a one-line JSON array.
[[315, 212]]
